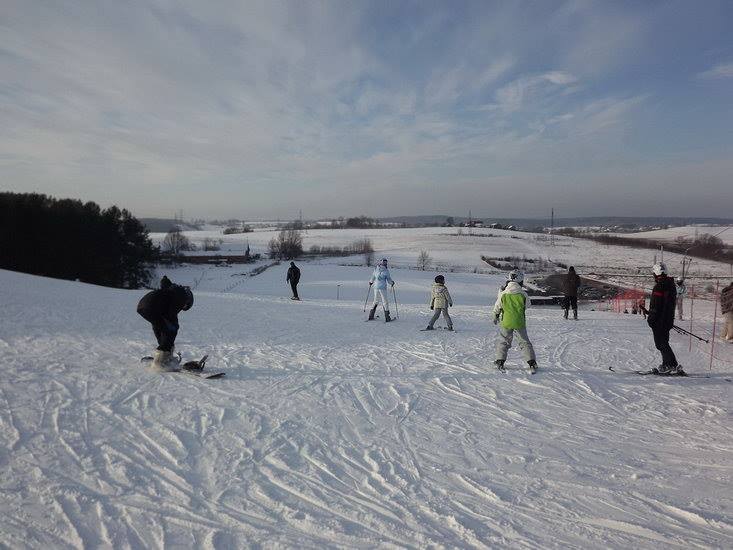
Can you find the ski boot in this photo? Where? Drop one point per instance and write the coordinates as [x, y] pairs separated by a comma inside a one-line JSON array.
[[575, 314], [532, 366], [387, 318], [500, 365], [429, 328], [371, 313], [165, 360], [565, 315]]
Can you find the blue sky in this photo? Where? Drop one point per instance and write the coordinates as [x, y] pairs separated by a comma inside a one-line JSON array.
[[259, 109]]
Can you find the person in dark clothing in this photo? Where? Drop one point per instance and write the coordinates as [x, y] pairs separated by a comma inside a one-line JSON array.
[[160, 308], [660, 317], [293, 278], [570, 290]]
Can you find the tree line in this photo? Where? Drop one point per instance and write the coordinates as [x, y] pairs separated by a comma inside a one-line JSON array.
[[70, 239]]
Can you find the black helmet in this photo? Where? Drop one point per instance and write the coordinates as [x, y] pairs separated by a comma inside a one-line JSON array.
[[188, 302], [440, 279]]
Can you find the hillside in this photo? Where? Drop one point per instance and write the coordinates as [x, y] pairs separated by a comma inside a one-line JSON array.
[[331, 432]]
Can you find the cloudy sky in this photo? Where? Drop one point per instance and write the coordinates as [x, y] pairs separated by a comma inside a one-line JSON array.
[[258, 109]]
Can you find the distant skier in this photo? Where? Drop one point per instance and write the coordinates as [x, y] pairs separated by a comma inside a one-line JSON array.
[[726, 307], [440, 301], [509, 310], [660, 318], [160, 308], [381, 277], [681, 290], [293, 278], [571, 282]]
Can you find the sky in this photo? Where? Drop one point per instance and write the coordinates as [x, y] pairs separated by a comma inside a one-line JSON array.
[[262, 109]]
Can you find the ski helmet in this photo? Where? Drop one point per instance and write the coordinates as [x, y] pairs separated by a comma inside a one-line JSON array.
[[659, 269], [188, 301], [383, 261], [680, 280], [440, 279], [516, 276]]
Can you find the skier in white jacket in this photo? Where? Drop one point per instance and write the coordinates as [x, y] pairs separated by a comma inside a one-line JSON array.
[[381, 277]]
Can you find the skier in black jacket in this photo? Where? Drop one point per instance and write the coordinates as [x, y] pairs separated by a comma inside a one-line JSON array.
[[661, 318], [160, 308], [293, 278]]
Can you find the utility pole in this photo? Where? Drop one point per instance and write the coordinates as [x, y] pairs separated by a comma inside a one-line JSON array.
[[552, 227]]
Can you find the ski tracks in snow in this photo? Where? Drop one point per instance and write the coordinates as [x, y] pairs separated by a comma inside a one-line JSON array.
[[341, 434]]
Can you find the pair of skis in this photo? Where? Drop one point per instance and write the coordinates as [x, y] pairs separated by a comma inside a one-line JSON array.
[[192, 368]]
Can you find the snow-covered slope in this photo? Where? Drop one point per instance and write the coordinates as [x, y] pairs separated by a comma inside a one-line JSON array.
[[331, 432]]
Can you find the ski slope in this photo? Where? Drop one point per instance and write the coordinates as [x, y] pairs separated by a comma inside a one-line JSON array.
[[331, 432]]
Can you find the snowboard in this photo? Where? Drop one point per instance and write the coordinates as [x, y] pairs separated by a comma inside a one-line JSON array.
[[192, 368]]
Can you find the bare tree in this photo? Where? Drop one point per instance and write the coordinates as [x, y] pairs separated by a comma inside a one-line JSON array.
[[424, 260], [288, 244], [175, 242]]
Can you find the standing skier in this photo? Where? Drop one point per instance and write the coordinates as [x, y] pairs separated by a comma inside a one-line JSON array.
[[570, 290], [681, 290], [440, 301], [293, 278], [509, 309], [726, 308], [160, 308], [381, 276], [661, 318]]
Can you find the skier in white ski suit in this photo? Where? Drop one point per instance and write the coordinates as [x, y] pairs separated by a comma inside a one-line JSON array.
[[381, 277]]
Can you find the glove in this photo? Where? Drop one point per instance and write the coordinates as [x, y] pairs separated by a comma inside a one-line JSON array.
[[392, 283], [651, 321], [370, 283], [431, 307], [496, 319], [450, 305]]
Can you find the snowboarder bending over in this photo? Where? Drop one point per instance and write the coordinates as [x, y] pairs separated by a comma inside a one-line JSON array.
[[570, 289], [381, 277], [160, 308], [293, 278], [660, 318], [440, 300], [509, 309]]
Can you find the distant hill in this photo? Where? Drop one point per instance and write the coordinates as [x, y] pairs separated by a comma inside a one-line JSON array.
[[163, 225], [562, 222]]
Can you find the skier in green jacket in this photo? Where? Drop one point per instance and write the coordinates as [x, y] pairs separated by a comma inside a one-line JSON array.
[[509, 310]]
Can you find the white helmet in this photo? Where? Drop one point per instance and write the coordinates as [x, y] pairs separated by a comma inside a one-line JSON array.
[[516, 276], [680, 280], [659, 269]]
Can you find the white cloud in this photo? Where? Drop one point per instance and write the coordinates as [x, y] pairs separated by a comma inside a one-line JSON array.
[[723, 70]]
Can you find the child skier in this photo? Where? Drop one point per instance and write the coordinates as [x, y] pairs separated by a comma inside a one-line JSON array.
[[510, 308], [440, 301], [381, 276], [160, 308]]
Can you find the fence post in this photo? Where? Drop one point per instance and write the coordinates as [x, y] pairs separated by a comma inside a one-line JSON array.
[[692, 306], [715, 318]]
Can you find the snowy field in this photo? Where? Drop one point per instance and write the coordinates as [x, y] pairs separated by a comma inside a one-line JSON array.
[[329, 432], [687, 232], [624, 266]]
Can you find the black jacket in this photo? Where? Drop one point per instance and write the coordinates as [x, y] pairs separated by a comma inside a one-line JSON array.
[[166, 303], [293, 275], [662, 304], [571, 284]]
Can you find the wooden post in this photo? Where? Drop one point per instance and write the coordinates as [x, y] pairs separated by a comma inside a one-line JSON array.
[[715, 318], [692, 305]]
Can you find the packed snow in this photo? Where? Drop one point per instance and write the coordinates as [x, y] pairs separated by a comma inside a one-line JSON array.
[[328, 431]]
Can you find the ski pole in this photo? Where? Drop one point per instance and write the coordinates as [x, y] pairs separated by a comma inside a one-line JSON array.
[[396, 309], [369, 291], [680, 330]]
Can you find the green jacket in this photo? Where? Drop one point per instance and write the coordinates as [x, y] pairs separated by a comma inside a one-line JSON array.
[[513, 301]]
